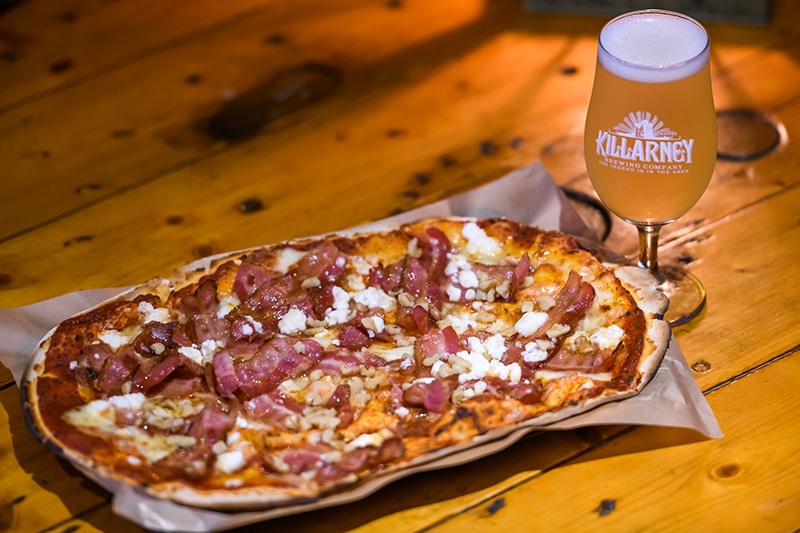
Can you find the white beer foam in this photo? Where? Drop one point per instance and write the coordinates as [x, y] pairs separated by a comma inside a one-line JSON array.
[[653, 46]]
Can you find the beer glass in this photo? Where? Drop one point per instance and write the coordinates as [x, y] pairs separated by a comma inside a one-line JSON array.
[[651, 134]]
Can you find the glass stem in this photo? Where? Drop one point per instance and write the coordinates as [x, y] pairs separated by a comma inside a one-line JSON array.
[[648, 246]]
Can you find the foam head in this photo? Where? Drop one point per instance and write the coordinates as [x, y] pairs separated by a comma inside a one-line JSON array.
[[653, 46]]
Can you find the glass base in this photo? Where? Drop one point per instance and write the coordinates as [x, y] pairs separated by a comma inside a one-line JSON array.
[[686, 294]]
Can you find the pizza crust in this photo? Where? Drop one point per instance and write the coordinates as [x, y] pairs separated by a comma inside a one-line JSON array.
[[476, 424]]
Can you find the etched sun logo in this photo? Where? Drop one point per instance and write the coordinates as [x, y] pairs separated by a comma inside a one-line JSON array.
[[644, 125]]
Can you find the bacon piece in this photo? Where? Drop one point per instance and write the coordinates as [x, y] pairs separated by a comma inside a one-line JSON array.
[[437, 397], [391, 448], [173, 375], [413, 319], [564, 360], [387, 278], [324, 262], [435, 246], [339, 361], [370, 360], [436, 343], [415, 277], [434, 294], [432, 395], [273, 406], [155, 333], [200, 308], [414, 396], [520, 272], [340, 400], [271, 295], [360, 458], [527, 393], [320, 299], [248, 278], [302, 459], [212, 424], [180, 337], [451, 341], [353, 338], [352, 462], [224, 374], [421, 318], [180, 383], [95, 356], [572, 302], [117, 369], [276, 361]]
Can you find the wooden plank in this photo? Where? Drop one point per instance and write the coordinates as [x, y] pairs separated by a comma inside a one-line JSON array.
[[747, 481], [100, 520], [353, 142], [749, 266], [6, 379], [38, 489], [75, 147], [46, 46], [135, 139], [351, 154]]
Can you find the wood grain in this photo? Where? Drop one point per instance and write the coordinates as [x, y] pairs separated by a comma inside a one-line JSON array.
[[47, 46], [109, 176], [744, 482]]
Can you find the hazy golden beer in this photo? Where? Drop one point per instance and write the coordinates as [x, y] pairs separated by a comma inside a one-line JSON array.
[[651, 138]]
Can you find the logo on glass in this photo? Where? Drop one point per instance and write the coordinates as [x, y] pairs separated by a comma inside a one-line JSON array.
[[642, 137]]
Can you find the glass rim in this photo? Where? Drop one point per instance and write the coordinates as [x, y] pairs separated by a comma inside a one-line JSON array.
[[666, 12]]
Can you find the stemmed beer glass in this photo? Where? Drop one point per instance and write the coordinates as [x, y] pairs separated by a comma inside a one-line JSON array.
[[651, 134]]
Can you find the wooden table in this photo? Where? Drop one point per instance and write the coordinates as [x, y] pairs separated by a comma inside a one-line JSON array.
[[124, 153]]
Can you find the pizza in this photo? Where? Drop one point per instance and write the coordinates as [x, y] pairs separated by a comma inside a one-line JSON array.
[[293, 371]]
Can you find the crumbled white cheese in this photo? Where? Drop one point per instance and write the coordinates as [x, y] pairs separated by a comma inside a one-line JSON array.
[[132, 401], [192, 353], [468, 279], [607, 338], [557, 330], [495, 346], [373, 297], [286, 258], [374, 440], [373, 323], [362, 264], [478, 364], [231, 461], [394, 353], [340, 312], [113, 338], [294, 321], [456, 262], [153, 314], [479, 243], [530, 322], [453, 293], [227, 304], [355, 282], [208, 348], [533, 353]]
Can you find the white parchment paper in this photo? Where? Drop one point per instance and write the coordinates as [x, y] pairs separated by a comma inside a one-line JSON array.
[[528, 195]]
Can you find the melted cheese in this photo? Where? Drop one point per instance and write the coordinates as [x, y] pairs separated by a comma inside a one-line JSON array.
[[479, 245], [287, 257]]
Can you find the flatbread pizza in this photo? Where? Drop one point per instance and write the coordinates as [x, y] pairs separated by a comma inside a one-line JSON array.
[[289, 372]]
